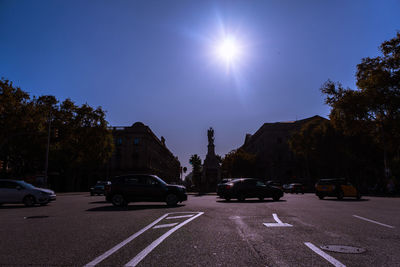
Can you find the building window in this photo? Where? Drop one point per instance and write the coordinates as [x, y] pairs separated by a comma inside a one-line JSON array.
[[136, 140]]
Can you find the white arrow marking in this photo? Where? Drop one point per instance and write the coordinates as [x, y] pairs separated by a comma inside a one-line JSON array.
[[278, 223]]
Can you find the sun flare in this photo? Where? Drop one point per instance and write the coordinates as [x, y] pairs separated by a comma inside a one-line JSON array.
[[228, 50]]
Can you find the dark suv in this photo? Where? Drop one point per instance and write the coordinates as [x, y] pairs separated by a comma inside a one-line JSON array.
[[143, 187], [243, 188], [98, 188]]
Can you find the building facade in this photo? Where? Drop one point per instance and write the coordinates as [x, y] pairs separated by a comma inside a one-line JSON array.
[[138, 150], [275, 160]]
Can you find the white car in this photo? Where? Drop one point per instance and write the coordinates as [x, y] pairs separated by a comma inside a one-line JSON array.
[[14, 191]]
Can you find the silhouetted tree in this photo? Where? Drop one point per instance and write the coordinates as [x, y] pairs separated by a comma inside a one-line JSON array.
[[195, 161], [325, 152], [80, 141], [374, 107], [239, 163]]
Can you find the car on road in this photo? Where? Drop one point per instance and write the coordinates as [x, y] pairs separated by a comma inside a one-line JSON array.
[[221, 186], [338, 188], [143, 187], [274, 184], [294, 188], [98, 188], [16, 191], [243, 188]]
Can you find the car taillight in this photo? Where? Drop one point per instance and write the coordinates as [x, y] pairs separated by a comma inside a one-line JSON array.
[[229, 185]]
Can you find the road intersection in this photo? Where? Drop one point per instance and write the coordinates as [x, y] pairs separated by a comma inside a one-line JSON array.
[[81, 230]]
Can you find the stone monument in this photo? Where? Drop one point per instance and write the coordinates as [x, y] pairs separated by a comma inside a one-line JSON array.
[[211, 174]]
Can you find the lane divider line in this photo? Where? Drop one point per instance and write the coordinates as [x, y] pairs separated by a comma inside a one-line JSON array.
[[164, 225], [372, 221], [327, 257], [155, 243], [178, 217], [123, 243]]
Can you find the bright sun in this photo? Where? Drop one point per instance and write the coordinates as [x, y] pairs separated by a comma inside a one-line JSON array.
[[228, 50]]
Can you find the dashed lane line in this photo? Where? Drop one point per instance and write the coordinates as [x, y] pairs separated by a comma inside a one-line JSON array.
[[158, 241], [372, 221], [327, 257]]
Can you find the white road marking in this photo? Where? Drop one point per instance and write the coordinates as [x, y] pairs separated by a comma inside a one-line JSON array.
[[368, 220], [327, 257], [155, 243], [123, 243], [178, 217], [164, 225], [278, 223]]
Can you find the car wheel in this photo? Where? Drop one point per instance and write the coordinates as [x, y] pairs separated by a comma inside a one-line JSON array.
[[321, 197], [92, 194], [358, 196], [227, 198], [118, 200], [340, 195], [276, 197], [29, 201], [241, 197], [171, 200], [261, 198]]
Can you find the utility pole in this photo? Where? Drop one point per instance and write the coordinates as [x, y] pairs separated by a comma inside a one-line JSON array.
[[46, 164]]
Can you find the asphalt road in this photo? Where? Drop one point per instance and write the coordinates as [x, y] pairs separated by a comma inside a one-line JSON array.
[[78, 230]]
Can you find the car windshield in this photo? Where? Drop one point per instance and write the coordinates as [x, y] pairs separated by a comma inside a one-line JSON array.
[[161, 181], [26, 185]]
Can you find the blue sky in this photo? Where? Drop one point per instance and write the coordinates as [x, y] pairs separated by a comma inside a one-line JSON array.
[[153, 61]]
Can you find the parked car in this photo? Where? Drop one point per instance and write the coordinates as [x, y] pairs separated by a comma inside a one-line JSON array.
[[250, 188], [98, 188], [143, 187], [15, 191], [336, 188], [295, 188]]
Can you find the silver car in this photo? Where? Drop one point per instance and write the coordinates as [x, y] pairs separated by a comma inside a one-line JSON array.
[[14, 191]]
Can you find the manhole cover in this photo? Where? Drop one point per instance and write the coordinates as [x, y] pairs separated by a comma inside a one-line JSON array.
[[343, 249], [36, 217]]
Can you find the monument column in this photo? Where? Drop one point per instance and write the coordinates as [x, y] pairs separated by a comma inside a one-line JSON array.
[[211, 168]]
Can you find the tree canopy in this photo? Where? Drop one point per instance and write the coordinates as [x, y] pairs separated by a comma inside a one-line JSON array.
[[373, 108], [239, 163], [80, 142]]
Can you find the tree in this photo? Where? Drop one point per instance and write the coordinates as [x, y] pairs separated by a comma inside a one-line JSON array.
[[239, 163], [374, 107], [323, 151], [83, 145], [195, 161]]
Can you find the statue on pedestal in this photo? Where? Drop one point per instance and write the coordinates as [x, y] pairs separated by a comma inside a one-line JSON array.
[[210, 134], [211, 169]]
